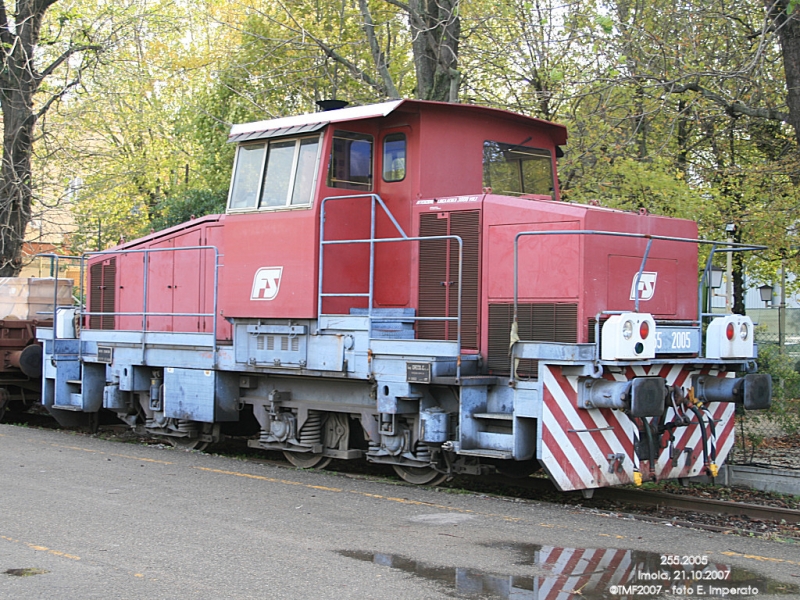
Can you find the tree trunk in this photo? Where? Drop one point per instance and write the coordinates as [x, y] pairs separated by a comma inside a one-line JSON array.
[[19, 81], [435, 33], [15, 180], [788, 27]]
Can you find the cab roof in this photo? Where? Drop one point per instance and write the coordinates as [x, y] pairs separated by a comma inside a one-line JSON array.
[[310, 122]]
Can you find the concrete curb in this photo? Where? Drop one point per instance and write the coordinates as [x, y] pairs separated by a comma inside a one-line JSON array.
[[782, 481]]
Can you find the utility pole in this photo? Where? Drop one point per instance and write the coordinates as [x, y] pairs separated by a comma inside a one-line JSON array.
[[729, 228], [782, 308]]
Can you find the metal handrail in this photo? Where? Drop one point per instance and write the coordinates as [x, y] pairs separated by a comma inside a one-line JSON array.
[[54, 258], [145, 313], [726, 247], [376, 200]]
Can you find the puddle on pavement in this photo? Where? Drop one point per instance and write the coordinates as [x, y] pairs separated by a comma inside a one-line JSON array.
[[589, 574], [26, 572]]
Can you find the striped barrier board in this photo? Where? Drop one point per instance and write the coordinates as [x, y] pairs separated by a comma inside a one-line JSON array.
[[583, 449]]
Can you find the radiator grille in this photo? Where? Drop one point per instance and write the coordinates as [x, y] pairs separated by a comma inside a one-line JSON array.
[[438, 276], [432, 272], [537, 322], [102, 293]]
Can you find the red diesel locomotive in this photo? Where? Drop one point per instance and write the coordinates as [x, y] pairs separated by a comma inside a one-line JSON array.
[[401, 282]]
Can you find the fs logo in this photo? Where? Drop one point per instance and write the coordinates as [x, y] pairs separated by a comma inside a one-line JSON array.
[[647, 285], [266, 283]]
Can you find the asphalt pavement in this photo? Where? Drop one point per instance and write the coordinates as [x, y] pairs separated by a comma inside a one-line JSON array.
[[82, 517]]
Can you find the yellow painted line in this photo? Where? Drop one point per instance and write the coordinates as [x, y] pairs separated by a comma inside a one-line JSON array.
[[270, 479], [761, 558], [365, 494], [324, 488], [403, 500], [152, 460], [80, 449], [439, 506], [39, 548], [75, 448]]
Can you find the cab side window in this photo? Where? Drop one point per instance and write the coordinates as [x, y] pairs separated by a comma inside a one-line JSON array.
[[351, 161], [394, 157], [514, 170]]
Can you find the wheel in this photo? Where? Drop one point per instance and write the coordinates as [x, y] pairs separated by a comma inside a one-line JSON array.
[[193, 443], [420, 475], [308, 460], [187, 443]]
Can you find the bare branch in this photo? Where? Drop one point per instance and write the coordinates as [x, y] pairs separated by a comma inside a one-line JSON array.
[[333, 54], [67, 53], [57, 96], [734, 108], [377, 55]]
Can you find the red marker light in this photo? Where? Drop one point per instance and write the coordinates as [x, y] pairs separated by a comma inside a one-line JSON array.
[[729, 331], [644, 330]]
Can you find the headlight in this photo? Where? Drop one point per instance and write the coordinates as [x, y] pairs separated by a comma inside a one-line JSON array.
[[744, 330], [627, 329]]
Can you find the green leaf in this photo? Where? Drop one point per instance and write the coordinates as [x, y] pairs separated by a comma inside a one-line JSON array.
[[605, 23]]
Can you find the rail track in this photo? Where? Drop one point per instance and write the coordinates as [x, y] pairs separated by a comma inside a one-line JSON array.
[[642, 497], [685, 510]]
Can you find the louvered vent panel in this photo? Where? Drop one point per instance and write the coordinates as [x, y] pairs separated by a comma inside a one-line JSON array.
[[432, 274], [109, 292], [95, 294], [438, 277], [540, 322], [102, 293], [566, 323], [466, 225]]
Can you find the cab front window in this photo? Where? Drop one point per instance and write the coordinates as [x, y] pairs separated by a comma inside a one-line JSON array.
[[275, 174]]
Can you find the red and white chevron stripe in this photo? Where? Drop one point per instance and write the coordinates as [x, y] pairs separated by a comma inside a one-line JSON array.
[[578, 572], [582, 569], [576, 443]]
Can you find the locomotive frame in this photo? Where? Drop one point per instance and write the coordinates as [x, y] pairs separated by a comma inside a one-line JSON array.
[[418, 319]]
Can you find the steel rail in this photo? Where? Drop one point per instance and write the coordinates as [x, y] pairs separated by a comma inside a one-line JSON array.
[[639, 497], [696, 504]]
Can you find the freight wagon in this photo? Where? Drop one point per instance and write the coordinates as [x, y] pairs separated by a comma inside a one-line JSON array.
[[25, 304]]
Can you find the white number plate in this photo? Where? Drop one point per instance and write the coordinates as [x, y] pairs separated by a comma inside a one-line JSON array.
[[677, 340]]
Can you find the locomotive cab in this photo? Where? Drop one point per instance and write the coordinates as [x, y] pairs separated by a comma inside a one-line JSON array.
[[402, 152], [402, 282]]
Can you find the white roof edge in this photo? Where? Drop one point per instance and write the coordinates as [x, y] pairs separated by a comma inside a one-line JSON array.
[[330, 116]]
